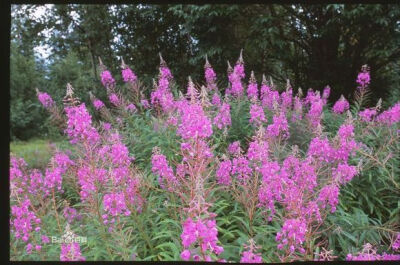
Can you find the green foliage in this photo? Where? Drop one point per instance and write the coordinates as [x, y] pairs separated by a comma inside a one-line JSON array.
[[36, 152], [326, 45]]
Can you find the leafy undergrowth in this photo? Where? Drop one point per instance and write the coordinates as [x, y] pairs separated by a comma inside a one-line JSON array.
[[211, 175]]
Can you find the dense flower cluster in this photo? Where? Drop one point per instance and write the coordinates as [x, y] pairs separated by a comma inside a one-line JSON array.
[[316, 106], [341, 105], [106, 79], [390, 116], [216, 100], [162, 95], [210, 76], [367, 115], [131, 107], [114, 99], [160, 167], [71, 214], [257, 115], [279, 126], [205, 234], [223, 172], [296, 186], [128, 75], [223, 118], [235, 79], [396, 243], [363, 78], [145, 103], [250, 257], [45, 99], [368, 253], [252, 90], [269, 96], [194, 122], [98, 104], [287, 99], [23, 221], [114, 205], [71, 252], [234, 148], [79, 125], [292, 234]]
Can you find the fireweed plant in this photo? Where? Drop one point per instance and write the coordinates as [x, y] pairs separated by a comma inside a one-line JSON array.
[[247, 173]]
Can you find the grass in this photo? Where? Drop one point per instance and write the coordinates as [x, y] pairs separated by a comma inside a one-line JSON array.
[[36, 152]]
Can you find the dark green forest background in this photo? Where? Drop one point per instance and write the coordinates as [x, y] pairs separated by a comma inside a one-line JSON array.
[[312, 45]]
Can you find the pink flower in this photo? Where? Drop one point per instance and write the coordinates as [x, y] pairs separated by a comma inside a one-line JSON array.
[[292, 235], [297, 109], [128, 75], [204, 233], [341, 105], [223, 118], [257, 115], [269, 97], [131, 107], [106, 79], [223, 173], [52, 179], [120, 155], [329, 194], [87, 179], [185, 255], [234, 148], [278, 127], [114, 205], [258, 151], [235, 80], [321, 150], [106, 126], [79, 125], [165, 72], [265, 91], [160, 167], [363, 79], [252, 90], [70, 214], [71, 252], [315, 112], [390, 116], [240, 168], [216, 100], [210, 75], [45, 239], [162, 94], [23, 221], [367, 114], [396, 243], [344, 173], [98, 104], [194, 122], [45, 99], [326, 93], [145, 103], [188, 235], [250, 257], [238, 70], [114, 99], [287, 98], [29, 248]]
